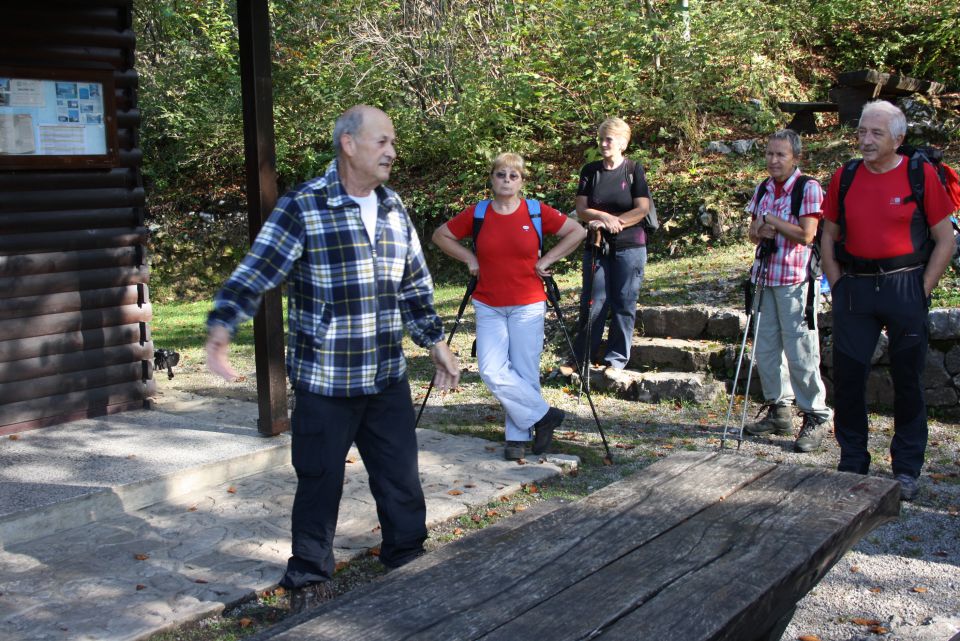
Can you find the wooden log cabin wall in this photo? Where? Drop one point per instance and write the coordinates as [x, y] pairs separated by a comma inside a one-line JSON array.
[[74, 304]]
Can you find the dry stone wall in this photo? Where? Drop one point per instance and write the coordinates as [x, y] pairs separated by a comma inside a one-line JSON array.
[[941, 378]]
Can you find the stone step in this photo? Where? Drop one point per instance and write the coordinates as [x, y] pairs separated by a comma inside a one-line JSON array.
[[676, 354], [691, 322], [653, 387]]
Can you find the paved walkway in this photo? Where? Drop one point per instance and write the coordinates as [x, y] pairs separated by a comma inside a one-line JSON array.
[[118, 528]]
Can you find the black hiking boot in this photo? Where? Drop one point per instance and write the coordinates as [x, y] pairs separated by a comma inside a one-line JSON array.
[[811, 434], [544, 429], [777, 421]]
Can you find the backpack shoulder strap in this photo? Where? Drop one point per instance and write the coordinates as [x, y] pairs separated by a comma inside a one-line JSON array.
[[796, 196], [478, 213], [631, 167], [915, 174], [761, 191], [533, 208], [846, 179]]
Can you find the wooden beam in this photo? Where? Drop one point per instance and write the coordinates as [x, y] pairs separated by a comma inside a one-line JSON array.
[[253, 20]]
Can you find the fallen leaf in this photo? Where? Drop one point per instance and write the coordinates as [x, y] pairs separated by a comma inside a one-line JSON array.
[[469, 485], [201, 581], [913, 537], [667, 446], [192, 508], [14, 437], [808, 637], [457, 531], [279, 591], [245, 622], [240, 379], [937, 478], [340, 565], [878, 629], [876, 590], [132, 456], [141, 557], [455, 492], [859, 621], [374, 551], [139, 587], [476, 518], [492, 513], [919, 589], [519, 508], [231, 490], [504, 499], [530, 488], [625, 446], [854, 568]]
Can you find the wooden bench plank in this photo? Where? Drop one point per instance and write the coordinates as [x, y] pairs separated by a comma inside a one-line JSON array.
[[797, 107], [512, 572], [889, 84], [769, 566], [699, 539]]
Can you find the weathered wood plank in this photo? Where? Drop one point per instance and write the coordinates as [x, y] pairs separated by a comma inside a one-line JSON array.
[[72, 321], [730, 572], [72, 341], [56, 384], [485, 585], [52, 364], [888, 83], [72, 301]]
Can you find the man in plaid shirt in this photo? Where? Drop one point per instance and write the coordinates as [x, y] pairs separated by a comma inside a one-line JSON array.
[[787, 350], [356, 276]]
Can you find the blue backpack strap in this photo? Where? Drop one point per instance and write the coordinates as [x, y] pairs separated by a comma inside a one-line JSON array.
[[478, 213], [533, 208]]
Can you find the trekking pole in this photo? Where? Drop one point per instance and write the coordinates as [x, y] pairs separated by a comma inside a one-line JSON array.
[[764, 250], [471, 285], [553, 295], [595, 248]]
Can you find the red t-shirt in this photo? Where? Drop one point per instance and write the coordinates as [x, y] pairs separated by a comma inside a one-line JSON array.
[[507, 250], [877, 211]]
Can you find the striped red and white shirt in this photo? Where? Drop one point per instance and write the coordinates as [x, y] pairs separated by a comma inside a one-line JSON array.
[[788, 266]]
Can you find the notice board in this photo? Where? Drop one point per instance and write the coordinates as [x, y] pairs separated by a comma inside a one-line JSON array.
[[57, 118]]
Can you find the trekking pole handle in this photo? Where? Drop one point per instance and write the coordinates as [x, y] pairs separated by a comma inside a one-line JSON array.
[[471, 285]]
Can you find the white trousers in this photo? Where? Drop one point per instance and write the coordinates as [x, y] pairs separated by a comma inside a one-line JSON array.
[[509, 343]]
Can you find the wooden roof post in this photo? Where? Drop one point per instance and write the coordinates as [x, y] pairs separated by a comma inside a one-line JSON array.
[[253, 20]]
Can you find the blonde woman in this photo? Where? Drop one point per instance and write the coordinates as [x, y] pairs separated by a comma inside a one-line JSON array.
[[612, 198], [509, 299]]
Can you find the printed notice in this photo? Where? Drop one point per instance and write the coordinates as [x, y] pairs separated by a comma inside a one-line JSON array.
[[41, 117], [26, 93], [16, 134], [62, 140]]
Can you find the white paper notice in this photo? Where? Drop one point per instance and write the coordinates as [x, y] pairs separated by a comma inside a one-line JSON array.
[[26, 93], [16, 134], [62, 140]]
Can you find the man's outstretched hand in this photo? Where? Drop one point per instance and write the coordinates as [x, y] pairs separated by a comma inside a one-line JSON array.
[[448, 369], [218, 341]]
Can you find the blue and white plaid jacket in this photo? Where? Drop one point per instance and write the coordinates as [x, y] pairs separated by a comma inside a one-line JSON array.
[[348, 301]]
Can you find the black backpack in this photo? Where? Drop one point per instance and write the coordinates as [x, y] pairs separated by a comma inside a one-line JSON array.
[[814, 266], [650, 222], [919, 230]]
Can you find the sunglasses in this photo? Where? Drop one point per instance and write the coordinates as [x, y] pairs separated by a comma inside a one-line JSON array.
[[502, 175]]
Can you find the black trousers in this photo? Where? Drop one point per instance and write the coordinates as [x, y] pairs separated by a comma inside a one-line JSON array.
[[862, 305], [323, 428]]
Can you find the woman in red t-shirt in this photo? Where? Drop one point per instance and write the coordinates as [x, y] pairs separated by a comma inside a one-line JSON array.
[[509, 299]]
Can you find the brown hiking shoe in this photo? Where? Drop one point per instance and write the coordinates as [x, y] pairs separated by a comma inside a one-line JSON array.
[[811, 434], [777, 421], [514, 450], [309, 596]]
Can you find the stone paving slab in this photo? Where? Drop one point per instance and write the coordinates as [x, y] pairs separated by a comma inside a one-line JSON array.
[[68, 475], [138, 573]]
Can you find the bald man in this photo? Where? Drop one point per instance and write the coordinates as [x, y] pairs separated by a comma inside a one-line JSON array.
[[356, 277]]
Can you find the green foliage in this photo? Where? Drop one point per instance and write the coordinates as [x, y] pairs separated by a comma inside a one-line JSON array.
[[466, 79]]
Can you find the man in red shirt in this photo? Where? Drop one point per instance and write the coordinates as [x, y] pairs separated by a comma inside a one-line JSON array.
[[889, 255]]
